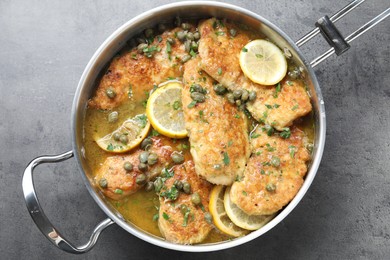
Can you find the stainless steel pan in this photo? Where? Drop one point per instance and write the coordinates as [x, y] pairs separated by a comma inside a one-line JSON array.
[[117, 40]]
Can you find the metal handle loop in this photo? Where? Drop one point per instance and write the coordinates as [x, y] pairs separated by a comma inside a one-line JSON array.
[[348, 8], [39, 216]]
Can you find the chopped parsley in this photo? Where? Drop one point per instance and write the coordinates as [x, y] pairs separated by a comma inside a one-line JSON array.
[[277, 90], [165, 216], [259, 56], [292, 150], [230, 143], [176, 105], [270, 148], [192, 104], [219, 71], [226, 159], [254, 135], [155, 217], [142, 120], [169, 47], [171, 194], [244, 49], [219, 33], [286, 133], [295, 107], [110, 147], [244, 193], [237, 116], [289, 83], [154, 133]]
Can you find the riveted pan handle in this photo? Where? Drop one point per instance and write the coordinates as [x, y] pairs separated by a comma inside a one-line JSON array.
[[338, 43], [39, 216]]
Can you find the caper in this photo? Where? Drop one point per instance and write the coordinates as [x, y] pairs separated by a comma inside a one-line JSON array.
[[185, 58], [183, 209], [141, 47], [270, 187], [190, 36], [187, 188], [196, 88], [181, 35], [230, 98], [245, 95], [185, 26], [237, 93], [171, 41], [141, 40], [158, 183], [275, 161], [238, 102], [149, 33], [146, 143], [152, 159], [219, 89], [110, 93], [194, 46], [113, 117], [233, 32], [143, 157], [196, 35], [252, 95], [103, 183], [177, 21], [195, 198], [198, 97], [141, 179], [178, 184], [161, 27], [142, 167], [177, 158], [128, 166], [116, 136], [187, 46], [124, 139], [149, 186]]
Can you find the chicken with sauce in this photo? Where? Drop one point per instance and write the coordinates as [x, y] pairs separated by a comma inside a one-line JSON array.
[[184, 218], [121, 175], [220, 53], [217, 130], [274, 173]]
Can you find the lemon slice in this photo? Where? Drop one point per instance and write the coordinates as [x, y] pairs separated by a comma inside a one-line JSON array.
[[240, 218], [127, 136], [220, 218], [263, 62], [164, 110]]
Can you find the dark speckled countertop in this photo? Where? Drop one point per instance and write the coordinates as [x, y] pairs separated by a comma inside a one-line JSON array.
[[45, 46]]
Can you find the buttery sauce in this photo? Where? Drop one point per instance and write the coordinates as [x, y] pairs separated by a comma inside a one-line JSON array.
[[141, 208]]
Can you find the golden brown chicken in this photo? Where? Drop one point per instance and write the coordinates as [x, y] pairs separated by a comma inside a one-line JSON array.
[[180, 220], [220, 52], [116, 182], [132, 75], [217, 130], [274, 173]]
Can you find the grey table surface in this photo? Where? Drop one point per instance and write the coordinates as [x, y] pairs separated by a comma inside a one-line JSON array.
[[45, 46]]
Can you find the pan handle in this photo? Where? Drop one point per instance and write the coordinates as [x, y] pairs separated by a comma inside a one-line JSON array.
[[39, 216], [338, 43]]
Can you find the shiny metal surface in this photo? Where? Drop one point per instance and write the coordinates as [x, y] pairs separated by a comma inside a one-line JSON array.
[[334, 18], [382, 16], [39, 217], [195, 10]]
